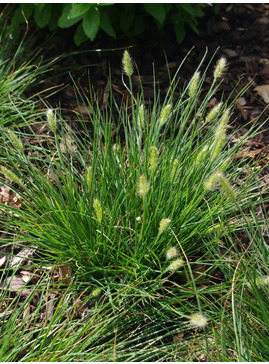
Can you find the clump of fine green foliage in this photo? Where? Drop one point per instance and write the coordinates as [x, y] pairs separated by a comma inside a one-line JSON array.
[[147, 210], [113, 19]]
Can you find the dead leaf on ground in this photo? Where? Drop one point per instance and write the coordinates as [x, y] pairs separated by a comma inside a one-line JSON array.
[[263, 91], [2, 261], [24, 254], [15, 284], [65, 274]]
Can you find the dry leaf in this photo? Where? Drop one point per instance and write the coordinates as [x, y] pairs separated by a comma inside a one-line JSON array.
[[20, 258], [15, 284], [263, 91], [65, 274], [2, 261], [241, 101], [26, 275]]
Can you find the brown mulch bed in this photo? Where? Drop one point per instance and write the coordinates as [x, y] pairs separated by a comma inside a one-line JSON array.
[[239, 32]]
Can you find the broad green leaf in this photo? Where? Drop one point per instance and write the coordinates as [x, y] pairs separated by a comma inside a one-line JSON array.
[[157, 11], [80, 36], [127, 17], [139, 25], [179, 31], [106, 25], [91, 22], [187, 7], [40, 6], [78, 10], [64, 21], [194, 27], [42, 15], [198, 12]]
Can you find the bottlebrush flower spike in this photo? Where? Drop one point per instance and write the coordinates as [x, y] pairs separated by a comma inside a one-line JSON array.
[[51, 120], [127, 64], [12, 176], [141, 118], [98, 210], [213, 113], [165, 113], [175, 265], [220, 68], [143, 186], [153, 159], [16, 141], [220, 134], [198, 320], [218, 179], [164, 223], [171, 253], [193, 85], [89, 176], [174, 169]]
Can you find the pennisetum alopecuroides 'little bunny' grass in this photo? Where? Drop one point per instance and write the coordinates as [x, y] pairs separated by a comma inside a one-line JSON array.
[[167, 182]]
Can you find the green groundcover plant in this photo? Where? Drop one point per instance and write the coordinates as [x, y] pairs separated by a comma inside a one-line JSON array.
[[113, 19], [147, 210]]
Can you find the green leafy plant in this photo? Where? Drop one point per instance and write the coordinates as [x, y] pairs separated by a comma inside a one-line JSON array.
[[111, 18]]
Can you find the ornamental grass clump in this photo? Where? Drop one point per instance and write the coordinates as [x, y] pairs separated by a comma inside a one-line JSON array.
[[121, 202]]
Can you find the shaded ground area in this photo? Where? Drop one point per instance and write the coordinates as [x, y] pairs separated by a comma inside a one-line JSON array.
[[240, 32]]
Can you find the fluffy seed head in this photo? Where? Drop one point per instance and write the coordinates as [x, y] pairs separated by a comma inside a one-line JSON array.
[[89, 176], [16, 141], [223, 123], [175, 265], [165, 114], [51, 120], [201, 155], [216, 180], [164, 223], [220, 68], [153, 159], [262, 281], [194, 84], [198, 320], [98, 210], [212, 182], [141, 118], [211, 115], [12, 176], [127, 64], [95, 292], [174, 169], [220, 135], [226, 186], [143, 186], [171, 253]]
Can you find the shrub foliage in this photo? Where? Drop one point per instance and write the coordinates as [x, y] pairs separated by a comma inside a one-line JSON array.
[[113, 19]]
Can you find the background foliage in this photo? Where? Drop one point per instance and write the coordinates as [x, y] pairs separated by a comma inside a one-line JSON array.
[[114, 19]]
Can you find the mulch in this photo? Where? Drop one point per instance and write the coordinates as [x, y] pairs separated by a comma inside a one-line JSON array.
[[239, 32]]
